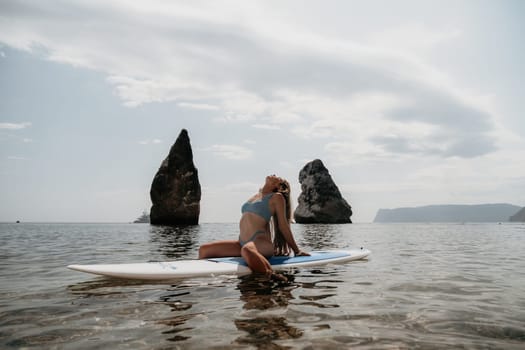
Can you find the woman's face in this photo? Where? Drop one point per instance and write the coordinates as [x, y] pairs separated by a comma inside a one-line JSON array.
[[274, 181]]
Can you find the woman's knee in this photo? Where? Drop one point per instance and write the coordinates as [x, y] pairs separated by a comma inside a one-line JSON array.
[[256, 261], [249, 251], [204, 250], [260, 249], [248, 248]]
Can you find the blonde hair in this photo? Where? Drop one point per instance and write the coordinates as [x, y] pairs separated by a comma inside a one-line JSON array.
[[280, 246]]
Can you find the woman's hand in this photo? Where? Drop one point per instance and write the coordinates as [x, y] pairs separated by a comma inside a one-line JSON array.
[[301, 253], [281, 247]]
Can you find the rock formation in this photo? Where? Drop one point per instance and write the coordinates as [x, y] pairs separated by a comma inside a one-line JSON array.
[[519, 216], [176, 191], [320, 200]]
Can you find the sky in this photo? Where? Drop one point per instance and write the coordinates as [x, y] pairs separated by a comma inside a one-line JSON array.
[[407, 103]]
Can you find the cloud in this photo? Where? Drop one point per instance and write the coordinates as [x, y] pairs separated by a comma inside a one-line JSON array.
[[235, 118], [244, 188], [14, 126], [231, 152], [266, 126], [375, 97], [201, 106], [150, 142], [413, 36]]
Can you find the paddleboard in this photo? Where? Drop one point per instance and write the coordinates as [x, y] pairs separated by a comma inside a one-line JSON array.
[[215, 266]]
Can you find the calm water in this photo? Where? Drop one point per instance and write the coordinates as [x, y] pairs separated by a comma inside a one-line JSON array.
[[425, 286]]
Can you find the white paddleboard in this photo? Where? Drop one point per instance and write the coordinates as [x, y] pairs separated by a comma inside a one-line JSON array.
[[216, 266]]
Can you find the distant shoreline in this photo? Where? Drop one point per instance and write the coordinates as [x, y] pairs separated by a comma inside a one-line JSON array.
[[492, 212]]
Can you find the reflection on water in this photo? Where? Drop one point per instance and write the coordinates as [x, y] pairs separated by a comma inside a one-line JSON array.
[[263, 331], [163, 305], [320, 236], [174, 242], [271, 325], [101, 286], [176, 321], [260, 293], [176, 324]]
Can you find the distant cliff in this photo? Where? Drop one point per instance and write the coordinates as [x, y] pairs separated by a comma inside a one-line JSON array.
[[449, 213], [519, 216]]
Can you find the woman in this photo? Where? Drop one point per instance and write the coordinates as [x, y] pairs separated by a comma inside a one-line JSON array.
[[255, 242]]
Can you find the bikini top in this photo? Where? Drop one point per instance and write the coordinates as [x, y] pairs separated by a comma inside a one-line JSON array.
[[260, 207]]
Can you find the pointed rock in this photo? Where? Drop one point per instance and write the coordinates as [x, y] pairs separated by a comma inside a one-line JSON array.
[[320, 200], [176, 191]]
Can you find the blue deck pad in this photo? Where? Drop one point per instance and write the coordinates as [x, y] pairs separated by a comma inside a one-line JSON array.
[[285, 260]]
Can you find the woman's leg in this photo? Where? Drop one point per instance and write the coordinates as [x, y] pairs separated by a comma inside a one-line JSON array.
[[258, 262], [255, 260], [220, 249]]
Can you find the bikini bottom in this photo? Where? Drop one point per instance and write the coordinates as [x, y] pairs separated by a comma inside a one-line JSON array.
[[252, 238]]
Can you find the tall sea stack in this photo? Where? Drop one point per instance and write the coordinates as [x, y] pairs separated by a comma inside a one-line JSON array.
[[320, 200], [176, 191]]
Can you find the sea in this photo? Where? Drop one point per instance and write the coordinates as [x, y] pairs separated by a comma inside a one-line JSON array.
[[425, 286]]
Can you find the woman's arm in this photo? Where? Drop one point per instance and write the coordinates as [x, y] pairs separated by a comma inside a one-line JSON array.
[[284, 226]]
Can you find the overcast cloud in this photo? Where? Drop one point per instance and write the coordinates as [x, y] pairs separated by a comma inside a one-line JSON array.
[[189, 56]]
